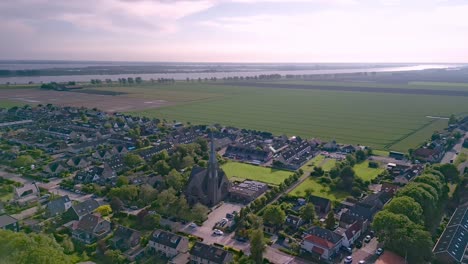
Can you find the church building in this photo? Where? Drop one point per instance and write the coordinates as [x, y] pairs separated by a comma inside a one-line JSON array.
[[208, 186]]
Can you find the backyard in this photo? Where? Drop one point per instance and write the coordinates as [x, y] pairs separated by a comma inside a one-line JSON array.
[[366, 173]]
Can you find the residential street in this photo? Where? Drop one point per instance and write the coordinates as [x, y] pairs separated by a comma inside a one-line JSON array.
[[452, 154]]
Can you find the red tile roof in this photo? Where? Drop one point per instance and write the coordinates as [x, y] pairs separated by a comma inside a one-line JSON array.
[[319, 241]]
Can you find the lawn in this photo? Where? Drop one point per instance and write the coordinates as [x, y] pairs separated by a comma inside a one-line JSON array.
[[236, 170], [309, 166], [364, 172], [364, 118], [9, 104], [328, 164], [318, 190], [382, 153]]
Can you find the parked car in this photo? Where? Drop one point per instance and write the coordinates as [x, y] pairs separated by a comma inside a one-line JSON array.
[[358, 244], [348, 260], [367, 239], [229, 216], [218, 232], [193, 225], [362, 262], [379, 251], [347, 249]]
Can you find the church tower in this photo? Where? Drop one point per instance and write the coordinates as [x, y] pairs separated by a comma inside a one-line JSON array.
[[213, 180]]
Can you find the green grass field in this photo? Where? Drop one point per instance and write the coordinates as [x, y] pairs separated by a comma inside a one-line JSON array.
[[364, 172], [318, 190], [380, 121], [329, 164], [8, 104], [241, 171]]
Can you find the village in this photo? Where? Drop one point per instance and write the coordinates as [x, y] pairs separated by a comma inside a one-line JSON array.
[[115, 188]]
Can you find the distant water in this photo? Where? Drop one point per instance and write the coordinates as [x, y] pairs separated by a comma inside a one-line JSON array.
[[199, 70]]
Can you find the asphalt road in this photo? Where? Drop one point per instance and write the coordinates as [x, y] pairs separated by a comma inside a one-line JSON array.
[[452, 154]]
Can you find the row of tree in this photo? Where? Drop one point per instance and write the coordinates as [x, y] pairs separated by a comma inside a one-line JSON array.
[[404, 223]]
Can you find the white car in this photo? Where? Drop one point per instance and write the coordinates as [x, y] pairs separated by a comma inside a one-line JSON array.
[[348, 260], [379, 251], [218, 232]]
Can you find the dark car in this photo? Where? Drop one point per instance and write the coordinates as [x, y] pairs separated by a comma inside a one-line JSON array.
[[358, 244]]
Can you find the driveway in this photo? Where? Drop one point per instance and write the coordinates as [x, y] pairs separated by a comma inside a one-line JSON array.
[[367, 252]]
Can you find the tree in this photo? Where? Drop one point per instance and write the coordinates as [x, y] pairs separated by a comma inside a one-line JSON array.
[[452, 119], [147, 194], [23, 161], [104, 210], [360, 156], [22, 248], [257, 245], [116, 204], [175, 180], [132, 160], [121, 181], [162, 167], [114, 256], [273, 214], [330, 221], [308, 212], [199, 212], [450, 172], [406, 206], [347, 176]]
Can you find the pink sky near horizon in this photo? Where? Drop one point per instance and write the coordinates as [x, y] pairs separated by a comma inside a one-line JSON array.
[[236, 30]]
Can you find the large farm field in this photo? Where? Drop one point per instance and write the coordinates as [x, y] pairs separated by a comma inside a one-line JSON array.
[[241, 171], [382, 116]]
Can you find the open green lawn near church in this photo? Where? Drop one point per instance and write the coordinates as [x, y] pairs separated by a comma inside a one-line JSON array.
[[236, 170]]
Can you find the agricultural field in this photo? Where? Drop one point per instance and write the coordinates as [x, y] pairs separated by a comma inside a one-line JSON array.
[[365, 173], [382, 120], [242, 171]]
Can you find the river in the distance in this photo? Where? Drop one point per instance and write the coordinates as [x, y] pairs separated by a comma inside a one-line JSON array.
[[218, 74]]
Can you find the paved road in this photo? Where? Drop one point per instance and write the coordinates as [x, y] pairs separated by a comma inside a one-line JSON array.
[[452, 154]]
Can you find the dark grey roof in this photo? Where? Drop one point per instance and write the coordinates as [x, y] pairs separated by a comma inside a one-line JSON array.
[[85, 207], [125, 233], [165, 238], [454, 239], [7, 220], [57, 206], [319, 201], [211, 253], [325, 234]]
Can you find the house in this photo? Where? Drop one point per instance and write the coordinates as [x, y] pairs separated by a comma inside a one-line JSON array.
[[452, 244], [26, 194], [125, 238], [293, 221], [330, 146], [54, 169], [352, 233], [90, 228], [9, 223], [78, 211], [116, 163], [102, 155], [348, 149], [321, 242], [119, 150], [202, 253], [58, 206], [95, 174], [428, 155], [322, 205], [167, 243], [78, 162], [247, 191]]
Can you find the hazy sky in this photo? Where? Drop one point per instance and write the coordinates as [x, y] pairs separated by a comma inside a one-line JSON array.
[[236, 30]]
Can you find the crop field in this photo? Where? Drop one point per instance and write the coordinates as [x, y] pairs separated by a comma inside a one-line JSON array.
[[379, 120], [364, 172], [241, 171], [385, 119]]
